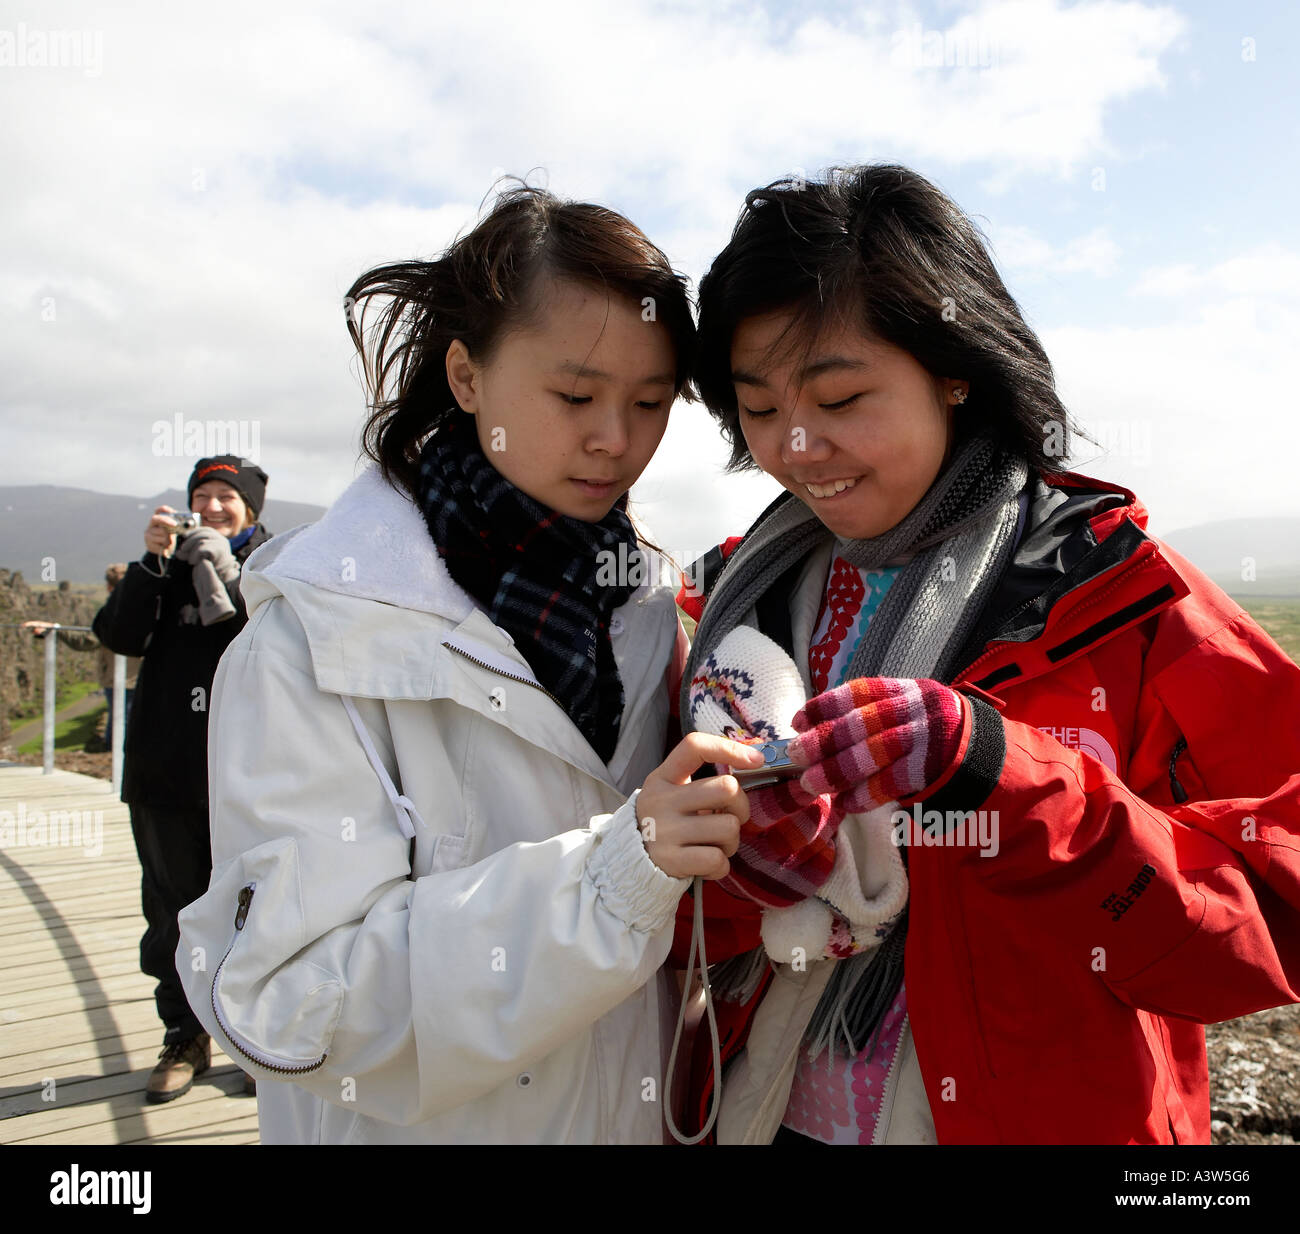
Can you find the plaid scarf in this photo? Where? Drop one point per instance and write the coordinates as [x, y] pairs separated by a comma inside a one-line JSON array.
[[539, 575]]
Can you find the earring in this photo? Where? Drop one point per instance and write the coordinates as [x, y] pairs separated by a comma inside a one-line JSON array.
[[959, 395]]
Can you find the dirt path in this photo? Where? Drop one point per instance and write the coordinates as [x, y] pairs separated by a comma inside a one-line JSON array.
[[34, 728]]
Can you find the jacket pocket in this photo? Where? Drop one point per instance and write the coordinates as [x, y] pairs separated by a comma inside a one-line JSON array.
[[448, 854], [276, 1011]]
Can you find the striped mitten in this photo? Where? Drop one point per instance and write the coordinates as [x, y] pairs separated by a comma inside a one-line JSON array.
[[878, 739]]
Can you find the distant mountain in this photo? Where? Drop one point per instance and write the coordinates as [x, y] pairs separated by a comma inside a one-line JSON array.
[[1230, 547], [84, 531]]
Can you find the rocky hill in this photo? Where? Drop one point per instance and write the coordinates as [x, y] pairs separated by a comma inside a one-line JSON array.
[[22, 656]]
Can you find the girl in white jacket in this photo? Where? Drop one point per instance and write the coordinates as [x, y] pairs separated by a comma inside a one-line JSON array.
[[447, 847]]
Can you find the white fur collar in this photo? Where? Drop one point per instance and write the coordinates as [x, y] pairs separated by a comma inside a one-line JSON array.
[[372, 543]]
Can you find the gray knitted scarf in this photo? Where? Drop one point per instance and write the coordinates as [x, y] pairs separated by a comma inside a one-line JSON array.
[[953, 547]]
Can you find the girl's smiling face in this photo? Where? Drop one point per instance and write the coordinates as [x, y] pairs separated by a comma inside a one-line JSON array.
[[852, 425], [571, 408]]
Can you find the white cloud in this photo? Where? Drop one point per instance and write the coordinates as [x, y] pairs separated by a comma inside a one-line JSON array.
[[193, 213], [1195, 411], [1175, 280], [1025, 253], [1268, 270]]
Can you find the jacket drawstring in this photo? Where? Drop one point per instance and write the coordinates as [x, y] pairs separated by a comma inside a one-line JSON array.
[[405, 810], [697, 943], [403, 806]]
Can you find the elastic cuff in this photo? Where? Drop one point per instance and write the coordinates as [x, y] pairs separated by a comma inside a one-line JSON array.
[[979, 769], [631, 885]]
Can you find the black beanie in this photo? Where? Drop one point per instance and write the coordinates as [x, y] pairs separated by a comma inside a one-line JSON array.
[[243, 475]]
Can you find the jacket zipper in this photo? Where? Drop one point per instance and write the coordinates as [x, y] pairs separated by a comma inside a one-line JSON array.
[[968, 674], [886, 1094], [491, 668], [262, 1060], [1179, 793]]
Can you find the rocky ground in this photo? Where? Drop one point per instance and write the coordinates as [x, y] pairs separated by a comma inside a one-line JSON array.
[[1255, 1078], [22, 657], [98, 765]]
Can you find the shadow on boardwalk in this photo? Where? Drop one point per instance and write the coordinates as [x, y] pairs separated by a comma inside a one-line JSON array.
[[78, 1030]]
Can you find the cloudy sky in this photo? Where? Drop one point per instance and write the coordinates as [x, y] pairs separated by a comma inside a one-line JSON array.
[[189, 190]]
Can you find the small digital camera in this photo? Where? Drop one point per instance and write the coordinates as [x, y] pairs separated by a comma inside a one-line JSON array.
[[777, 766], [186, 522]]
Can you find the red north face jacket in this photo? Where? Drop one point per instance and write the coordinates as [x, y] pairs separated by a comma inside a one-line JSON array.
[[1138, 734]]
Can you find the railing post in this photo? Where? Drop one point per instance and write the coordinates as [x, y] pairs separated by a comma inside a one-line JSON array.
[[119, 719], [51, 700]]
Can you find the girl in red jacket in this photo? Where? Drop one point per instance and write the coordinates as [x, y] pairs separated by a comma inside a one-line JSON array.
[[1049, 801]]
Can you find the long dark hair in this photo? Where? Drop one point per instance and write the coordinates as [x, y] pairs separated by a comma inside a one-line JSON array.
[[882, 245], [483, 285]]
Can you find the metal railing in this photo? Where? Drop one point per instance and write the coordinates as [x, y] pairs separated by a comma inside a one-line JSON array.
[[118, 734]]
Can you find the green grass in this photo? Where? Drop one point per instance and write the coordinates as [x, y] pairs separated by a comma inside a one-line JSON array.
[[66, 694], [69, 734], [1280, 619]]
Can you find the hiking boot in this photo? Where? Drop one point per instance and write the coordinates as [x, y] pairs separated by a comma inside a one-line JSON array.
[[178, 1064]]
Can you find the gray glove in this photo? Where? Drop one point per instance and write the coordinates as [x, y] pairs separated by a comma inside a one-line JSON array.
[[208, 544], [214, 600], [212, 565]]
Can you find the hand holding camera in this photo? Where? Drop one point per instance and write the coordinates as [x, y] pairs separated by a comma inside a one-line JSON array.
[[777, 766], [696, 823], [745, 689], [164, 528]]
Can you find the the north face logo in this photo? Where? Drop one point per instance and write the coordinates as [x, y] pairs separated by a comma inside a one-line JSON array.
[[1086, 741]]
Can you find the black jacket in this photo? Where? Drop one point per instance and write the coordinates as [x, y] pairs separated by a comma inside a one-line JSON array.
[[166, 754]]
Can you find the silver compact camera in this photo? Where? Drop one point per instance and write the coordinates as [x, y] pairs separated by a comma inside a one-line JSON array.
[[186, 522], [777, 766]]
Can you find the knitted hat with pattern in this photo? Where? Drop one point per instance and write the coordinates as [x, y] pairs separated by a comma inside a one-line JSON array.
[[749, 689]]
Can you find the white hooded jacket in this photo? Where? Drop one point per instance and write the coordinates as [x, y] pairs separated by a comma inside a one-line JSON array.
[[504, 985]]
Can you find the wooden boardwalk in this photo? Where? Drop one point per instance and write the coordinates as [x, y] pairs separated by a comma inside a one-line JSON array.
[[78, 1030]]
